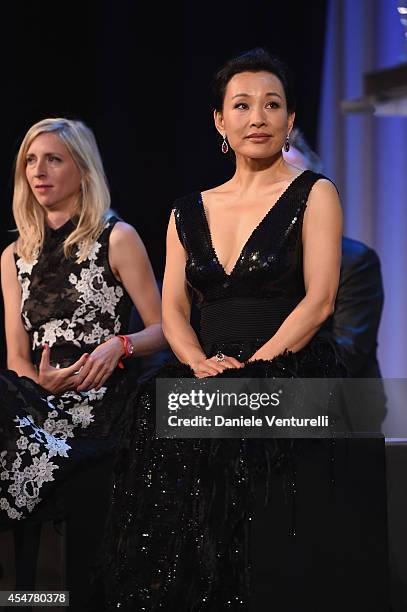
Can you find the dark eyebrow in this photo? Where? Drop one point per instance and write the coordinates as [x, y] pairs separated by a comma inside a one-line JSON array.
[[246, 95]]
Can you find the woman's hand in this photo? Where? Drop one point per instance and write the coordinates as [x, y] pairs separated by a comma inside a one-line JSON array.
[[58, 380], [211, 367], [260, 355], [100, 364]]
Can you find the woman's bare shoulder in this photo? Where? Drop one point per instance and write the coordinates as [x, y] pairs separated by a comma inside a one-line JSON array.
[[323, 191], [123, 232], [8, 253]]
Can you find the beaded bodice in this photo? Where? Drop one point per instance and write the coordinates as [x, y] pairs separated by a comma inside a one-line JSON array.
[[266, 283], [270, 263]]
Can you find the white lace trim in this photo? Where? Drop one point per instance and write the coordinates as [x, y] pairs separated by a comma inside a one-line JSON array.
[[37, 446], [24, 484], [95, 297]]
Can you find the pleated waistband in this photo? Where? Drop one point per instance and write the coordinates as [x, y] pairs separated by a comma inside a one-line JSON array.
[[242, 320]]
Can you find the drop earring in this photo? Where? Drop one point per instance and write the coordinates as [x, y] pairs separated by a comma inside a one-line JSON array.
[[287, 143], [225, 146]]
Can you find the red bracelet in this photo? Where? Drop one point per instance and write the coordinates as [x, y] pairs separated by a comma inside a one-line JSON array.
[[127, 347]]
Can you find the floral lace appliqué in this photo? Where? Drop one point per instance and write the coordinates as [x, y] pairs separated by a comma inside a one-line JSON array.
[[28, 471]]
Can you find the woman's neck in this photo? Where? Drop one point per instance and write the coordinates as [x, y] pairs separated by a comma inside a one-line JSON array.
[[58, 217], [258, 174]]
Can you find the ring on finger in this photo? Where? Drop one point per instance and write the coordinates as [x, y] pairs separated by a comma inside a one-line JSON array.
[[220, 356]]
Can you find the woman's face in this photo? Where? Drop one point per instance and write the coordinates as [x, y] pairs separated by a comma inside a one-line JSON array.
[[52, 173], [254, 116]]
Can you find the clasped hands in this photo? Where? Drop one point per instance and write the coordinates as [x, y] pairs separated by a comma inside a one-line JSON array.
[[90, 371], [212, 366]]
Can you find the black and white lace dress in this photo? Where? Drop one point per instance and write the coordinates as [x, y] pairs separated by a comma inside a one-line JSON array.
[[73, 308]]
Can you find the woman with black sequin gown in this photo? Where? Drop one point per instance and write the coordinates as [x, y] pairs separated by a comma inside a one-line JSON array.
[[68, 284], [261, 253]]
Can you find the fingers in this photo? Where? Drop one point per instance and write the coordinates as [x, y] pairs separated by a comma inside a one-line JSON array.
[[100, 378], [44, 363], [98, 367], [86, 376], [93, 375], [78, 364], [102, 381], [217, 366], [205, 372], [212, 367], [204, 368], [84, 370], [234, 362], [71, 383], [226, 363], [208, 370]]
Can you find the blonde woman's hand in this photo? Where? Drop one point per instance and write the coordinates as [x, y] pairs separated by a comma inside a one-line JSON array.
[[213, 366], [100, 364], [58, 380]]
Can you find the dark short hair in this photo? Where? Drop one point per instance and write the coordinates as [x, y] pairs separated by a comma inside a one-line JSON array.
[[255, 60]]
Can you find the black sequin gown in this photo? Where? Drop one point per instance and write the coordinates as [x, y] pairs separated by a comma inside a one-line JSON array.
[[179, 530], [71, 307]]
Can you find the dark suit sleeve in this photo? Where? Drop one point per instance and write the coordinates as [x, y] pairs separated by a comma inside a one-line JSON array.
[[358, 310]]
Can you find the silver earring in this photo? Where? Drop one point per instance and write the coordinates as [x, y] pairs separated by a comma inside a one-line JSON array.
[[287, 143], [225, 146]]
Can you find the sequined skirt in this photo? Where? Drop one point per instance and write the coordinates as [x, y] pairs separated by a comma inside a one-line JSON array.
[[178, 536]]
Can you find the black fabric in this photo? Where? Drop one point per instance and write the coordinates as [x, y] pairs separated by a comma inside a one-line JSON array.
[[337, 559], [72, 307], [243, 319], [270, 263], [179, 532], [358, 309], [354, 327], [57, 286], [85, 500], [396, 468]]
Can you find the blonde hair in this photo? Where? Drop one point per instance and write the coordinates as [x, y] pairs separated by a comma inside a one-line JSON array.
[[94, 198]]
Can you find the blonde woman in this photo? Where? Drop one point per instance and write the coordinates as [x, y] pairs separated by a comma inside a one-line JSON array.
[[68, 283]]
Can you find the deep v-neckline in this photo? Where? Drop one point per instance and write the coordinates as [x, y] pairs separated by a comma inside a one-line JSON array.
[[252, 233]]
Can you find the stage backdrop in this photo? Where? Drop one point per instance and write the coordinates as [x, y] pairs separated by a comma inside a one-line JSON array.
[[366, 155]]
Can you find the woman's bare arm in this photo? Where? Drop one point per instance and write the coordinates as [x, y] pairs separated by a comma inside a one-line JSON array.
[[130, 262], [177, 310], [131, 265], [17, 339], [322, 231], [177, 303]]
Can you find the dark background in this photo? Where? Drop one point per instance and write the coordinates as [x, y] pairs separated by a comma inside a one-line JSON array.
[[139, 73]]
